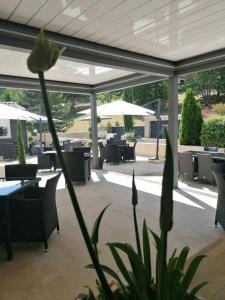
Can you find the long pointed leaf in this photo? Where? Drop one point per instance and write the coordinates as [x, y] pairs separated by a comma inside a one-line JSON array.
[[95, 230], [190, 273], [182, 258], [166, 210], [147, 251], [124, 272], [197, 288]]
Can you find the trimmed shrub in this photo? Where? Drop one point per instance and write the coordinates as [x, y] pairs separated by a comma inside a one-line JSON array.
[[20, 144], [213, 132], [191, 120], [109, 127]]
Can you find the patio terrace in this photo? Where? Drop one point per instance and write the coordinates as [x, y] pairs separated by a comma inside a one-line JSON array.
[[61, 274]]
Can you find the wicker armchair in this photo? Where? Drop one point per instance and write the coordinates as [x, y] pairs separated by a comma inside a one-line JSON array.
[[35, 217], [205, 164], [19, 171], [44, 162], [113, 154], [77, 166], [220, 210], [186, 166]]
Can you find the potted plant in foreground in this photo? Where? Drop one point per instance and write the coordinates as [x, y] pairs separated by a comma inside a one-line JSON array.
[[137, 281]]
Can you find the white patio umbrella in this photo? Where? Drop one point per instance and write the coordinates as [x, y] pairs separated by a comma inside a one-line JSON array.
[[8, 112], [120, 108], [88, 118]]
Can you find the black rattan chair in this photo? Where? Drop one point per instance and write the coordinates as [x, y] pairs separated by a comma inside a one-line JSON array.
[[186, 166], [113, 154], [44, 162], [35, 217], [77, 166], [205, 163], [220, 210], [19, 171]]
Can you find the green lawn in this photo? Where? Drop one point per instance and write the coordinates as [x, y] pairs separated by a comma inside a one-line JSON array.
[[82, 126]]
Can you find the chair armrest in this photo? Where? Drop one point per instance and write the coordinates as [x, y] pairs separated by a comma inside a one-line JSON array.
[[33, 193]]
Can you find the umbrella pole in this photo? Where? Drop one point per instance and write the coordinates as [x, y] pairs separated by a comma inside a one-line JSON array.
[[40, 126]]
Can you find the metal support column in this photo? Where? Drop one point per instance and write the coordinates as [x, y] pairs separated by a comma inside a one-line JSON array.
[[173, 122], [95, 163]]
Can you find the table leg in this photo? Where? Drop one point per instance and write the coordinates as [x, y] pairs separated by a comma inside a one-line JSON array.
[[8, 241]]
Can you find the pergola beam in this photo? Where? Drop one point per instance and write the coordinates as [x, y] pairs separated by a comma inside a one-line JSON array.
[[53, 86], [22, 37], [126, 82], [211, 60]]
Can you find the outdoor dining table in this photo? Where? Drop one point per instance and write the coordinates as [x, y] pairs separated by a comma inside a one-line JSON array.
[[8, 190]]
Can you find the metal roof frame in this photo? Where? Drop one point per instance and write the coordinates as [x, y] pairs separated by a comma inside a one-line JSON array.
[[147, 69]]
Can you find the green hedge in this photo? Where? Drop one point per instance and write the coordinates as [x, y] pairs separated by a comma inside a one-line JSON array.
[[191, 120], [213, 132]]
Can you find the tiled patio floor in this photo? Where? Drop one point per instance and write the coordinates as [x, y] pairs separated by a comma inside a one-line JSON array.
[[60, 273]]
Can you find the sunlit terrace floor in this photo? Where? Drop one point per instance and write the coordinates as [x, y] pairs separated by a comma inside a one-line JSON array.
[[60, 273]]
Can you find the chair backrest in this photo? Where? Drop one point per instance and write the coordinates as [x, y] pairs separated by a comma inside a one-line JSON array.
[[19, 171], [112, 153], [75, 163], [212, 149], [48, 197], [82, 149], [186, 165], [220, 182], [44, 162], [205, 163]]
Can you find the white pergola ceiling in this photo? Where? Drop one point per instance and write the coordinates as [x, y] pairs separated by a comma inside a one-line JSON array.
[[169, 29], [64, 70]]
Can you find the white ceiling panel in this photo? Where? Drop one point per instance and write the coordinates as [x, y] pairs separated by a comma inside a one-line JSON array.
[[109, 19], [75, 10], [7, 7], [172, 29], [48, 12], [26, 10], [195, 25], [94, 12], [14, 63]]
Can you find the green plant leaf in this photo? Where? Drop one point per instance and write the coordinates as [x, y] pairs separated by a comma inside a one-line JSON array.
[[197, 288], [95, 230], [166, 209], [182, 258], [190, 273], [126, 274], [147, 251], [139, 271], [110, 272]]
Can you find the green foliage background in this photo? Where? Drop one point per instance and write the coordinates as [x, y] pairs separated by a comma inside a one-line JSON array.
[[213, 132], [191, 120]]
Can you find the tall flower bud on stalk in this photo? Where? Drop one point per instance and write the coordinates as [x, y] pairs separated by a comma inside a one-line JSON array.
[[44, 56], [166, 219]]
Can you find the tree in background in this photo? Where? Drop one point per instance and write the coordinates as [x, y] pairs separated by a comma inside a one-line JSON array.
[[128, 120], [20, 143], [191, 120], [209, 84]]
